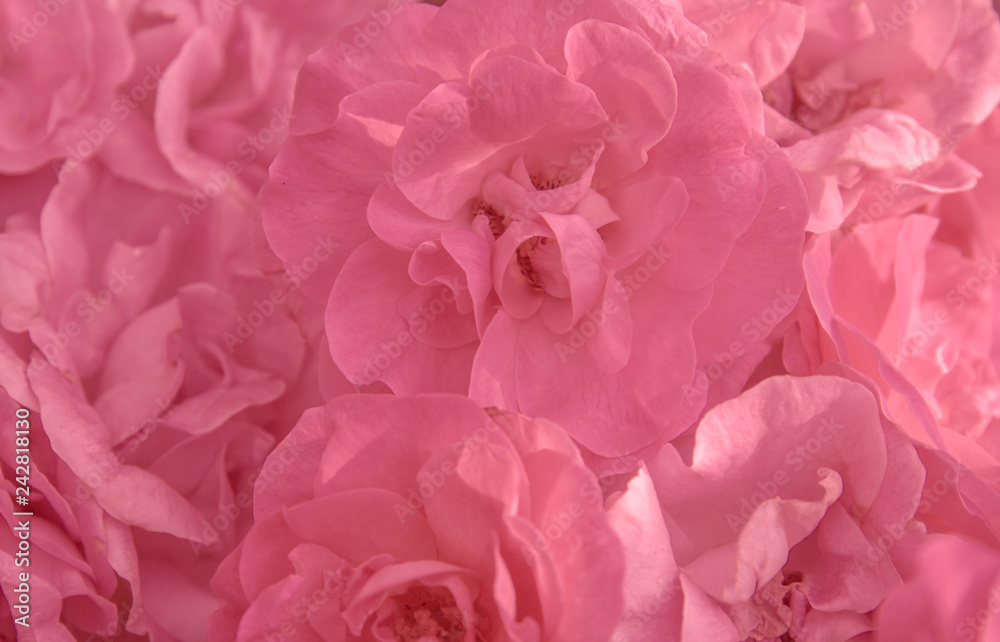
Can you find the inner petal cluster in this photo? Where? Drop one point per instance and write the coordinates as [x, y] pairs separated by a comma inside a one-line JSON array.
[[427, 612]]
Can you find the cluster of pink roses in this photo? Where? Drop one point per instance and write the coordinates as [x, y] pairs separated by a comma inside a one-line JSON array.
[[519, 321]]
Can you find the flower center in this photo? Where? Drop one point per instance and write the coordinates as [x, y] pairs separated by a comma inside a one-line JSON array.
[[542, 184], [768, 615], [498, 221], [427, 612], [524, 253]]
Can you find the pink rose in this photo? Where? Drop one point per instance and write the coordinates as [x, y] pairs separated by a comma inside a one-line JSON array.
[[202, 99], [61, 62], [868, 97], [820, 62], [224, 105], [793, 508], [527, 199], [423, 518], [934, 62], [877, 96], [155, 359]]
